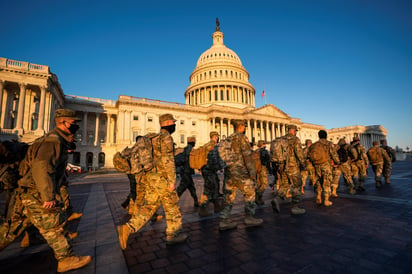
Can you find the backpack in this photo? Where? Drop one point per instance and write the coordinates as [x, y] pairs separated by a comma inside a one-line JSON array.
[[198, 157], [343, 154], [279, 150], [256, 160], [318, 153], [374, 155], [226, 152], [138, 158]]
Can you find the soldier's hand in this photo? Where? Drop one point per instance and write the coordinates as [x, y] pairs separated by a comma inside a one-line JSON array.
[[171, 187], [50, 204]]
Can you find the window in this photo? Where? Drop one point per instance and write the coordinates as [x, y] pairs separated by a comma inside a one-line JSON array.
[[150, 119], [135, 118], [182, 122], [193, 123], [182, 138]]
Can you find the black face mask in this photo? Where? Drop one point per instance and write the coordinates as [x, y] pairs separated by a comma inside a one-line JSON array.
[[192, 144], [73, 128], [170, 128]]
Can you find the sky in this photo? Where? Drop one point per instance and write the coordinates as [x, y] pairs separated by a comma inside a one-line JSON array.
[[334, 63]]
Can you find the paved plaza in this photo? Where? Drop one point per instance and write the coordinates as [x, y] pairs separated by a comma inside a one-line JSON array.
[[370, 232]]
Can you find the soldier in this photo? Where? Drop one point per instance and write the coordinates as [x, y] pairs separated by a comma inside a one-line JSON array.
[[336, 174], [359, 165], [211, 186], [346, 155], [241, 176], [42, 170], [387, 166], [289, 172], [309, 171], [159, 189], [262, 175], [322, 154], [186, 181], [377, 157]]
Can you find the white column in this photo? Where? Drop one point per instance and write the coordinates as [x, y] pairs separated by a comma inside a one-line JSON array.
[[40, 127], [96, 129], [1, 103], [228, 128], [254, 130], [20, 112], [267, 132], [108, 130], [221, 126], [85, 135], [273, 132], [249, 130]]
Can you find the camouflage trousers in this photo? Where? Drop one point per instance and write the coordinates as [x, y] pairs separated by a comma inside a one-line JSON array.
[[157, 193], [387, 170], [323, 178], [359, 172], [336, 174], [308, 173], [345, 170], [210, 187], [287, 180], [377, 169], [262, 180], [49, 222], [244, 185]]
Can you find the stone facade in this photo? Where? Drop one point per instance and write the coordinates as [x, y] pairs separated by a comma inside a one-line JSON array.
[[219, 92]]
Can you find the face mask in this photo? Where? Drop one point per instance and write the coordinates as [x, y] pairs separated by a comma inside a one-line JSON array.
[[170, 128], [73, 128], [192, 144]]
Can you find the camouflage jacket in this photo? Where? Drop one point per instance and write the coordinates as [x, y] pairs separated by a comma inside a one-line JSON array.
[[164, 160], [214, 162], [391, 152], [382, 155], [186, 166], [362, 156], [46, 169], [296, 159], [241, 146]]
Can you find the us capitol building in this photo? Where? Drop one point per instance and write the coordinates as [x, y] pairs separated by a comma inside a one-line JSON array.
[[219, 92]]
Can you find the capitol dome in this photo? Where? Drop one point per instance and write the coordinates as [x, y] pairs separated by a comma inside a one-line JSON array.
[[219, 78]]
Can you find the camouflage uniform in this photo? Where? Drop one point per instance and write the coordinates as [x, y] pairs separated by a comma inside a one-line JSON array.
[[211, 186], [156, 184], [186, 181], [40, 183], [309, 171], [387, 166], [289, 174], [360, 165], [345, 165], [378, 162], [323, 173], [241, 176]]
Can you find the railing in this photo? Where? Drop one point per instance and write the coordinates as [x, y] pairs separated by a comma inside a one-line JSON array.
[[8, 63], [97, 100], [147, 100]]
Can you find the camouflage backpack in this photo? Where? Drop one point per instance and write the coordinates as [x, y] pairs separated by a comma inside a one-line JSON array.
[[138, 158], [226, 152], [279, 150], [256, 160], [318, 153], [375, 155]]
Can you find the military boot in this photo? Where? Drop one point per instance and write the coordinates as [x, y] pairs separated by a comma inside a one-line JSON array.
[[378, 184], [276, 204], [352, 191], [387, 181], [204, 211], [175, 239], [334, 194], [123, 232], [74, 216], [252, 221], [72, 262], [226, 224], [326, 201], [296, 210], [318, 197]]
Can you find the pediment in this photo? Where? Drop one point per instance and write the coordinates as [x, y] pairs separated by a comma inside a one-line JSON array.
[[272, 111]]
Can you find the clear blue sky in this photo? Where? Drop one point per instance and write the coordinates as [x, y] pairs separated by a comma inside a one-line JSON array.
[[330, 62]]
